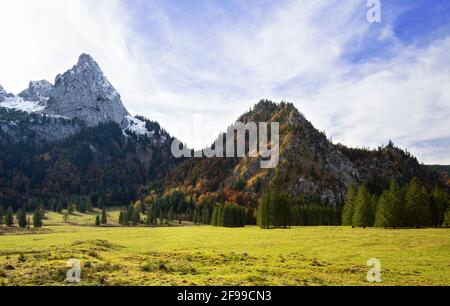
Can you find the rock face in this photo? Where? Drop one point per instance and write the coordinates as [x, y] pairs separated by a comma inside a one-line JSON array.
[[3, 94], [84, 93], [37, 91]]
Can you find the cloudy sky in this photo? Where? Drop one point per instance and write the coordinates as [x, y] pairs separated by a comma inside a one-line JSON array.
[[188, 61]]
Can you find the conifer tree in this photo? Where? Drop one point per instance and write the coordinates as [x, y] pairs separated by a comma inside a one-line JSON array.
[[2, 214], [21, 218], [97, 221], [391, 210], [447, 219], [417, 205], [37, 219], [121, 217], [9, 217], [104, 218], [364, 215], [150, 216], [439, 206], [349, 206]]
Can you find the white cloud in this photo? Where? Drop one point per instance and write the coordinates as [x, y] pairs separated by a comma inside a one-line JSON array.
[[172, 72]]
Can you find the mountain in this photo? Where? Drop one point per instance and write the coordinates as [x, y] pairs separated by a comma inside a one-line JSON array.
[[37, 91], [76, 140], [83, 92], [310, 165]]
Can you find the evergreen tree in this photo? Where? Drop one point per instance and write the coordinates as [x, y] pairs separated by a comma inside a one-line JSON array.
[[364, 215], [263, 218], [2, 214], [21, 218], [349, 206], [447, 219], [59, 207], [439, 206], [121, 217], [417, 205], [151, 215], [130, 213], [137, 217], [28, 223], [104, 218], [391, 209], [37, 218], [215, 215], [9, 217], [97, 221], [274, 210]]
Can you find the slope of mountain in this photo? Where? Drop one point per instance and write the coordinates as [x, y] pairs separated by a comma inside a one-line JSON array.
[[310, 165], [76, 139], [442, 170]]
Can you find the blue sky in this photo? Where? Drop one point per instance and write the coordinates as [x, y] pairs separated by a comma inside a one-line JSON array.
[[202, 63]]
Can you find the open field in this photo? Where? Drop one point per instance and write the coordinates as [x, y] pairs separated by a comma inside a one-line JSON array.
[[204, 255]]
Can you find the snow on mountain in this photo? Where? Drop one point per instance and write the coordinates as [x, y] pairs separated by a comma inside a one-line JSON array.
[[82, 92], [18, 103], [137, 126]]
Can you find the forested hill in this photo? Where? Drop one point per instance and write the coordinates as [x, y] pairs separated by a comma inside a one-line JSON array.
[[310, 166], [442, 170], [99, 164]]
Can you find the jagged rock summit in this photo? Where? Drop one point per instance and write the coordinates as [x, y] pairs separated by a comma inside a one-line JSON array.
[[37, 91], [3, 93], [85, 93]]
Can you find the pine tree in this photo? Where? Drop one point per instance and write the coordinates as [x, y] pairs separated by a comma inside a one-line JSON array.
[[417, 205], [9, 217], [2, 214], [28, 223], [263, 218], [215, 214], [97, 220], [364, 215], [137, 217], [130, 213], [37, 219], [447, 219], [439, 203], [391, 210], [104, 218], [121, 217], [349, 206], [59, 207], [21, 218]]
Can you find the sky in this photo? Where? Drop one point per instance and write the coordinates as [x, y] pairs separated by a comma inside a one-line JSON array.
[[202, 63]]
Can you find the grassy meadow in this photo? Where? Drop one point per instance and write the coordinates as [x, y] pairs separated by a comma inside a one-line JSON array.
[[205, 255]]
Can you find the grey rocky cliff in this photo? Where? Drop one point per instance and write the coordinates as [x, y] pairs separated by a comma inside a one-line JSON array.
[[37, 91], [3, 94], [84, 93]]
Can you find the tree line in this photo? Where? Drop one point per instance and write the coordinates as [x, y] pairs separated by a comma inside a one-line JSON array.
[[23, 220], [409, 206], [280, 210]]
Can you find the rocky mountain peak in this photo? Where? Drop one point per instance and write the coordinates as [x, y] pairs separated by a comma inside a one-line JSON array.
[[3, 93], [85, 93], [38, 91]]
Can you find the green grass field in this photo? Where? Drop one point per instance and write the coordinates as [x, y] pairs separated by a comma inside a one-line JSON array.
[[204, 255]]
